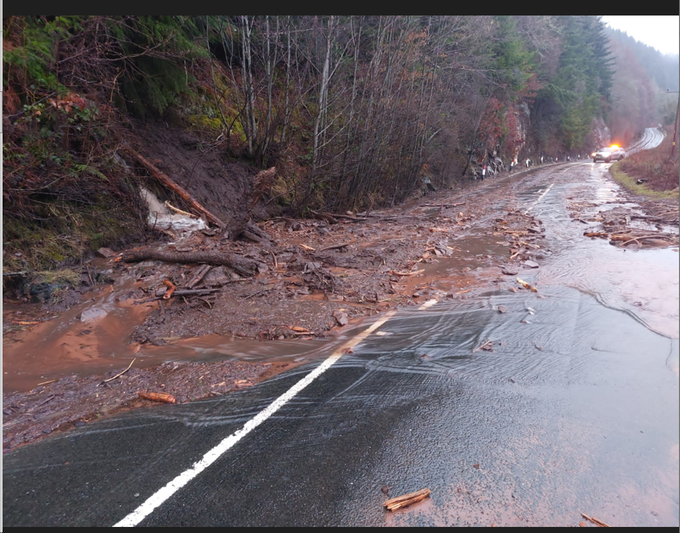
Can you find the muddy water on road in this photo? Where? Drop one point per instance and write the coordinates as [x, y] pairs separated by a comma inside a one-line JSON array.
[[90, 338], [643, 283], [93, 337]]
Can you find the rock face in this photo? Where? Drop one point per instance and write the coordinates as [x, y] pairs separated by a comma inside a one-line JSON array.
[[599, 133]]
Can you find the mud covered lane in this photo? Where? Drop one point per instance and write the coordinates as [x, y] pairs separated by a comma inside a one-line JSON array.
[[324, 277]]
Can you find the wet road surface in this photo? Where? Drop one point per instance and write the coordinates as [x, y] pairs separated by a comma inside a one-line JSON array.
[[573, 409]]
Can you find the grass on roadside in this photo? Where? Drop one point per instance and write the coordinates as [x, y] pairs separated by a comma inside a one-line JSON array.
[[631, 184], [650, 173]]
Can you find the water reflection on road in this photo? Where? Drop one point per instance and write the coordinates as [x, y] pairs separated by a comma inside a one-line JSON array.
[[572, 408]]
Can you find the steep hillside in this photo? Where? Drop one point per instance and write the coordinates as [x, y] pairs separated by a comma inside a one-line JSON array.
[[252, 116]]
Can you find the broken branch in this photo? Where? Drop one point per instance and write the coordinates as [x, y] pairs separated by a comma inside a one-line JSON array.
[[595, 520], [172, 288], [120, 373], [158, 397], [336, 246], [407, 499], [526, 285], [168, 182], [173, 208], [638, 239], [199, 275], [197, 292]]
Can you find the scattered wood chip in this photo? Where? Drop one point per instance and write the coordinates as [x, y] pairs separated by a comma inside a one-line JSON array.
[[487, 346], [299, 329], [407, 499], [526, 285], [595, 521], [158, 397], [172, 288], [306, 247]]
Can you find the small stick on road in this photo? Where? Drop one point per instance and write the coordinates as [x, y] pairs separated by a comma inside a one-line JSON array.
[[336, 246], [158, 397], [120, 373], [406, 273], [595, 521], [484, 346], [638, 239], [407, 499]]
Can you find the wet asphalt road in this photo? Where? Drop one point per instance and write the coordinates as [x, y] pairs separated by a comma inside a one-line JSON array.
[[574, 410]]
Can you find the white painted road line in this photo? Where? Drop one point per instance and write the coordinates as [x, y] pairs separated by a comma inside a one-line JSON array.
[[427, 304], [539, 199], [211, 456]]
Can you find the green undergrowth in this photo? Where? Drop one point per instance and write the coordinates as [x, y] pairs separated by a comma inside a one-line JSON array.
[[639, 188], [64, 237]]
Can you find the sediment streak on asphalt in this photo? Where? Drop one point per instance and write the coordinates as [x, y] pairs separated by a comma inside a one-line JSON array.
[[211, 456]]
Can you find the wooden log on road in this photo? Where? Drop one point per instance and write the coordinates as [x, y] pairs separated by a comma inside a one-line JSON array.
[[240, 264]]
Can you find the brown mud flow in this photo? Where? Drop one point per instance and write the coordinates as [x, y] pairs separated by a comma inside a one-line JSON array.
[[319, 278]]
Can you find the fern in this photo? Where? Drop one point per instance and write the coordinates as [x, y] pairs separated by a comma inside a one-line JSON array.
[[87, 169]]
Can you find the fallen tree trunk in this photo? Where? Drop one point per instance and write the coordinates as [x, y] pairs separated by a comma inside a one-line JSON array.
[[175, 187], [254, 233], [242, 265]]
